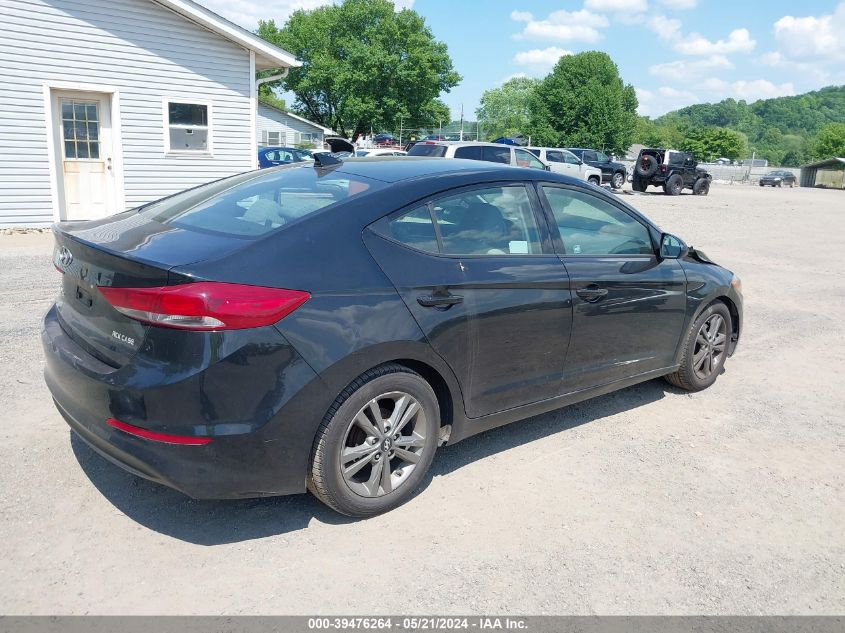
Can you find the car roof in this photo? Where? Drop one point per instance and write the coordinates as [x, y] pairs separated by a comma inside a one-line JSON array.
[[399, 168], [464, 143]]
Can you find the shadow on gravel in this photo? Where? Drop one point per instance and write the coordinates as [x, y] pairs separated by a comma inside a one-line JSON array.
[[217, 522]]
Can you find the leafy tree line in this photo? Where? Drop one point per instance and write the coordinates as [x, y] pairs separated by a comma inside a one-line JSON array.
[[785, 130]]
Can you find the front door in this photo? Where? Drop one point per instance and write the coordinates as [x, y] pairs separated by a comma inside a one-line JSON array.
[[82, 130], [476, 269], [629, 306]]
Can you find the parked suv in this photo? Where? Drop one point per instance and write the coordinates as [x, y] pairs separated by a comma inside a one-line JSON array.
[[471, 150], [670, 169], [565, 162], [611, 171]]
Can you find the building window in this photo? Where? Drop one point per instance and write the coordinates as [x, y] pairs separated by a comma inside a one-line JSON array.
[[274, 139], [306, 137], [188, 126]]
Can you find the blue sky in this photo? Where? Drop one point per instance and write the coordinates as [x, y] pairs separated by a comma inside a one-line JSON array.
[[675, 52]]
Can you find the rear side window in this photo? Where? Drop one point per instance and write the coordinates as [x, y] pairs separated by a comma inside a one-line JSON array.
[[252, 205], [471, 152], [492, 221], [590, 226], [424, 149], [497, 154]]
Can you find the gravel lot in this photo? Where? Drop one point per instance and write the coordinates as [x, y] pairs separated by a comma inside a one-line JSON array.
[[646, 501]]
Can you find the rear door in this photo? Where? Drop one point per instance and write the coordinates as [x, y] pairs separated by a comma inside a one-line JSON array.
[[629, 306], [476, 269]]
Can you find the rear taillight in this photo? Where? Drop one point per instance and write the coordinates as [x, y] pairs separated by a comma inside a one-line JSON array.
[[205, 305], [155, 436], [663, 169]]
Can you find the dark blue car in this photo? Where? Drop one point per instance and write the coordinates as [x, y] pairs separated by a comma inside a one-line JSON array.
[[329, 325], [272, 156]]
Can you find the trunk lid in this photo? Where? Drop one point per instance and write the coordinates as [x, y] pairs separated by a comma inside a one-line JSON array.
[[127, 250]]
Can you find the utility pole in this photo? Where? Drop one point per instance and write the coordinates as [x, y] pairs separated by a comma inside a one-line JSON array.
[[400, 130], [477, 131], [462, 122], [440, 130]]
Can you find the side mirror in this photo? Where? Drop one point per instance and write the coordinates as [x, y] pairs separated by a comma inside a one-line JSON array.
[[547, 167], [672, 247]]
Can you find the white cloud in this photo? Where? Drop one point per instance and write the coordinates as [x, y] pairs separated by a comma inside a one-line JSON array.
[[522, 16], [579, 25], [684, 68], [666, 28], [679, 5], [760, 89], [739, 41], [812, 36], [513, 76], [541, 57], [612, 6], [663, 100]]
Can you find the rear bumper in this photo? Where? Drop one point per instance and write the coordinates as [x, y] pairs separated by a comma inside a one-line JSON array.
[[245, 458]]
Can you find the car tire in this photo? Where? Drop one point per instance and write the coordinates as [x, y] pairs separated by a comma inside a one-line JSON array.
[[617, 180], [352, 436], [674, 185], [705, 349], [594, 180], [647, 165], [701, 187]]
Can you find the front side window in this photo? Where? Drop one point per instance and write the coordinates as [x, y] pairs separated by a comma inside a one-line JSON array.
[[470, 152], [428, 149], [555, 157], [590, 226], [490, 221], [527, 159], [602, 158], [571, 158], [187, 127], [497, 154]]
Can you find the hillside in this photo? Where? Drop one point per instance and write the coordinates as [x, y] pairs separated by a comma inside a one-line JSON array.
[[777, 129]]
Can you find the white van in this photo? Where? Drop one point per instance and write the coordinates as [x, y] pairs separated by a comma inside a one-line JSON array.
[[565, 162], [471, 150]]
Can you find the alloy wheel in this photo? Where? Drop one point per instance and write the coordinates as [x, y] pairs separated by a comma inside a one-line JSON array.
[[383, 444], [710, 344]]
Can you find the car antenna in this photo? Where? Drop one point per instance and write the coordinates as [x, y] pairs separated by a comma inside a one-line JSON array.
[[324, 159]]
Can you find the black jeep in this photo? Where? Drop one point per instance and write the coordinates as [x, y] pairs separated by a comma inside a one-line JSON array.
[[672, 170], [611, 171]]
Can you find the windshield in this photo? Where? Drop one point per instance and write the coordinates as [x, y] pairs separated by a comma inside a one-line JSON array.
[[253, 204], [426, 149]]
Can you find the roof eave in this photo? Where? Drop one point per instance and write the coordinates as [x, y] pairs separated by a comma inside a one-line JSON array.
[[267, 56]]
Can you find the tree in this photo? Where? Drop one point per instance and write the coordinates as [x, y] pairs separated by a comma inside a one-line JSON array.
[[710, 143], [829, 142], [505, 111], [583, 101], [364, 66]]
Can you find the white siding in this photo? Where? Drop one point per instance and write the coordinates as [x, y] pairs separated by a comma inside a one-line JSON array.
[[273, 120], [144, 51]]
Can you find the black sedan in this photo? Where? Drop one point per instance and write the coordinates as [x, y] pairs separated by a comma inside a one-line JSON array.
[[778, 178], [330, 325]]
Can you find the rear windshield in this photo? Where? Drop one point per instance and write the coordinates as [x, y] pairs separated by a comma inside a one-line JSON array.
[[425, 149], [253, 204]]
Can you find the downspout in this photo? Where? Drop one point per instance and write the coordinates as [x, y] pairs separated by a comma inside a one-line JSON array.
[[254, 91]]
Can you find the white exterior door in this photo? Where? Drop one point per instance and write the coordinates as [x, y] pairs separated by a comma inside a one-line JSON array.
[[83, 134]]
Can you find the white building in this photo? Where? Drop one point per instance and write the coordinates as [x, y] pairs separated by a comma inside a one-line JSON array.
[[277, 128], [107, 104]]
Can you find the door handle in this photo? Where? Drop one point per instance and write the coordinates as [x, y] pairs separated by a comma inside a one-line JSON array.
[[439, 301], [591, 293]]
